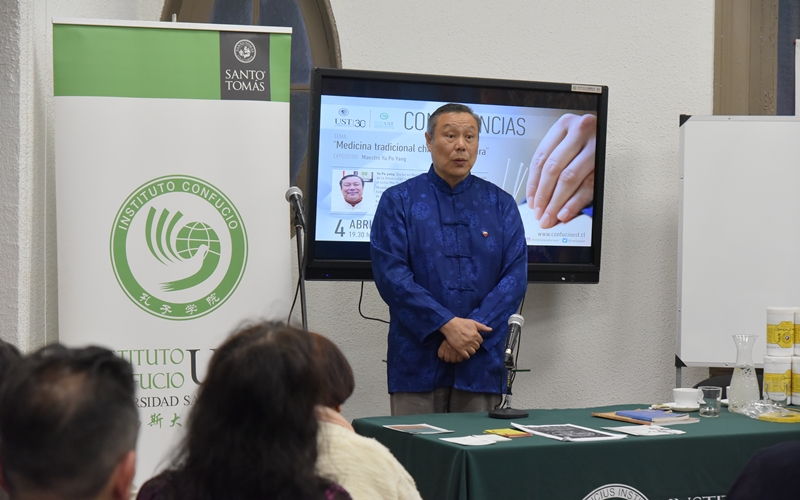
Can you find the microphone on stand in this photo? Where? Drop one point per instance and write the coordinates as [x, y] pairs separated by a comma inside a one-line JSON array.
[[515, 323], [295, 198]]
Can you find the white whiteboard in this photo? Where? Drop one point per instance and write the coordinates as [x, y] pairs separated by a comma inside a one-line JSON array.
[[739, 232]]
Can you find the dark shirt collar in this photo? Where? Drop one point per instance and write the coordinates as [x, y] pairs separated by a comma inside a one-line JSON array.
[[444, 187]]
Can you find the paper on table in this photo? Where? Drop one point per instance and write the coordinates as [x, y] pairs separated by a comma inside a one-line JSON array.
[[491, 437], [477, 440], [645, 430], [568, 432]]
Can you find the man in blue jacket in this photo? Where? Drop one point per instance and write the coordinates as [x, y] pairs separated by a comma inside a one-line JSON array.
[[449, 257]]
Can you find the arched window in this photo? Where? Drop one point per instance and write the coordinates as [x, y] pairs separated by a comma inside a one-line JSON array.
[[314, 43]]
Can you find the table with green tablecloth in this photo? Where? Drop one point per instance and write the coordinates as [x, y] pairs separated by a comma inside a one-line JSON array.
[[702, 463]]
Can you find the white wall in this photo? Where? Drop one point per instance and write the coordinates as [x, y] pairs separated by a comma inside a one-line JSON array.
[[585, 344], [10, 33], [28, 281]]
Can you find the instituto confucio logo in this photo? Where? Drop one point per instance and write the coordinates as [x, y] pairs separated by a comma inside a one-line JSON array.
[[615, 491], [245, 51], [178, 247]]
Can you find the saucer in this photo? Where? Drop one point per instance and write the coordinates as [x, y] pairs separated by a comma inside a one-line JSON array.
[[675, 407]]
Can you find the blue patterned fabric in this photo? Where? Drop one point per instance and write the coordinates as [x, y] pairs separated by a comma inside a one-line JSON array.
[[440, 252]]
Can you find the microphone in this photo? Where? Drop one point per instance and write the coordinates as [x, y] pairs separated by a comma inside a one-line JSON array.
[[515, 323], [295, 198]]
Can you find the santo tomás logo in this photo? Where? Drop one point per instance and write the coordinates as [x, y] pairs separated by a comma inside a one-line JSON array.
[[178, 247], [245, 51]]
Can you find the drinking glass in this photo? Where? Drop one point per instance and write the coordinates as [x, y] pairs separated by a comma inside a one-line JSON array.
[[711, 400]]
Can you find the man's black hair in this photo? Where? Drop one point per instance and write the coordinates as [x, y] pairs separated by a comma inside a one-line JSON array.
[[451, 107], [67, 418], [9, 355], [350, 175]]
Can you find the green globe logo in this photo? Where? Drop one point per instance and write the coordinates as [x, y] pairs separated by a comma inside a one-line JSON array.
[[194, 235], [194, 238], [172, 269]]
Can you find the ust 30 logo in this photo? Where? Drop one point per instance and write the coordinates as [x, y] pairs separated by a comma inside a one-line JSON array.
[[178, 247]]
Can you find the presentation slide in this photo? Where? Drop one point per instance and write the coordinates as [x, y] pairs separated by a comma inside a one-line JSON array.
[[368, 145]]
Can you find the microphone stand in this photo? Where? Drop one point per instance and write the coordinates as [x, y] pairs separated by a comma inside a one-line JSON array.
[[506, 411], [301, 268]]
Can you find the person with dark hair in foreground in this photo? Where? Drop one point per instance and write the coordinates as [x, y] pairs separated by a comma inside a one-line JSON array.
[[768, 474], [9, 354], [252, 432], [68, 425], [365, 467]]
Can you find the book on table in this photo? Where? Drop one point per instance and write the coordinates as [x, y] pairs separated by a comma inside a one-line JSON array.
[[645, 430], [509, 433], [683, 418], [653, 416], [417, 428]]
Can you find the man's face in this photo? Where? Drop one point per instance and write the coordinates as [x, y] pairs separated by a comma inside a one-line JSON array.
[[454, 146], [352, 190]]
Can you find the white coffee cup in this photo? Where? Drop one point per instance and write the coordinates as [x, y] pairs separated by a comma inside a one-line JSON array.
[[686, 397]]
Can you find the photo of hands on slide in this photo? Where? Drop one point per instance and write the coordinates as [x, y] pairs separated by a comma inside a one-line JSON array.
[[561, 175]]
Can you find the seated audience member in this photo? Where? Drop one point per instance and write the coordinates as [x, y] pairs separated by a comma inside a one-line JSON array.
[[366, 468], [768, 474], [68, 425], [9, 354], [252, 432]]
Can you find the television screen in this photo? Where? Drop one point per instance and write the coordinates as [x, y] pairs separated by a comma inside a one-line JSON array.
[[367, 133]]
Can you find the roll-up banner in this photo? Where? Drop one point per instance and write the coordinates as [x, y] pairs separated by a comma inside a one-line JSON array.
[[172, 159]]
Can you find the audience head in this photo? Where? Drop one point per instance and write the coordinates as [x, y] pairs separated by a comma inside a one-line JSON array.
[[252, 431], [68, 425], [337, 375], [9, 354]]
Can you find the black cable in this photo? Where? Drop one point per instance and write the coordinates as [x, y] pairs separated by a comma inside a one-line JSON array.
[[360, 299], [296, 294], [301, 260], [512, 375], [516, 360]]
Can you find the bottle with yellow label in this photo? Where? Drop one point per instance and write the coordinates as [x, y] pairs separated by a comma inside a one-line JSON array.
[[778, 369], [780, 331], [797, 331]]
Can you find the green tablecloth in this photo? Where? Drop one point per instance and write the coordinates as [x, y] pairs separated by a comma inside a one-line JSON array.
[[701, 463]]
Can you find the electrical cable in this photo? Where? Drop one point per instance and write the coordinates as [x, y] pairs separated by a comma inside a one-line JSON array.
[[360, 299]]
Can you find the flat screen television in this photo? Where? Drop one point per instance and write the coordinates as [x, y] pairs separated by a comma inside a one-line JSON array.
[[372, 124]]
